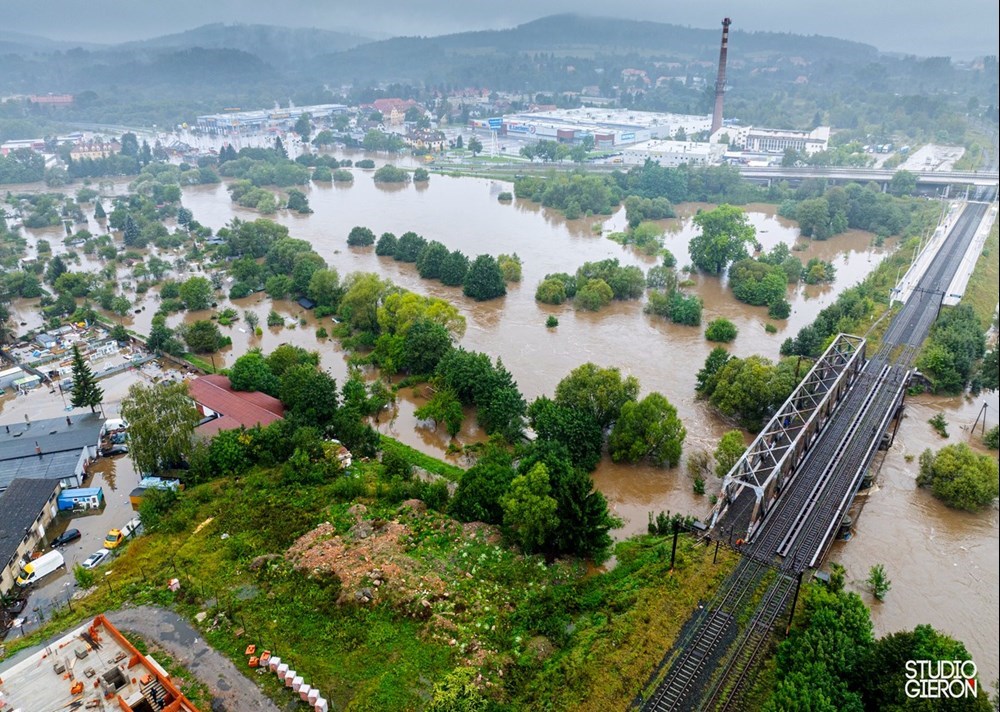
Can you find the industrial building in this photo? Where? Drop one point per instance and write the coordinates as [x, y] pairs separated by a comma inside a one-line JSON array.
[[752, 139], [54, 449], [27, 507], [91, 667], [250, 122], [671, 154], [223, 408], [608, 127]]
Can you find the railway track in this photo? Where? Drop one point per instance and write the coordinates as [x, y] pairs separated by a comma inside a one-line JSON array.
[[800, 525]]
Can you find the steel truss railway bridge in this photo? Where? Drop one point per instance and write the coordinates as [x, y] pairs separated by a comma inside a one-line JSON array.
[[783, 501]]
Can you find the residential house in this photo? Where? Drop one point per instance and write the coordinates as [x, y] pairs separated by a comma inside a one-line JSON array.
[[27, 507], [223, 408]]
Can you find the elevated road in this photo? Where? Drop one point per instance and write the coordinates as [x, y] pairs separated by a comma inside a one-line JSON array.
[[982, 179], [710, 666]]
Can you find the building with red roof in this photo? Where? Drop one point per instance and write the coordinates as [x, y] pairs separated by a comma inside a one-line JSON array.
[[223, 408]]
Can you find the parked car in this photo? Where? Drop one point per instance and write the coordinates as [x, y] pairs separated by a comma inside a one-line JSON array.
[[116, 536], [96, 559], [113, 539], [66, 537]]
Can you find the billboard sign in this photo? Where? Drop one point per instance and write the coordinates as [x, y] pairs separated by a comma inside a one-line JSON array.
[[516, 127], [626, 137], [495, 124]]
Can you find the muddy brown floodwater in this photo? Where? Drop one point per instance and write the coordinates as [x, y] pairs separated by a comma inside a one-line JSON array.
[[464, 214]]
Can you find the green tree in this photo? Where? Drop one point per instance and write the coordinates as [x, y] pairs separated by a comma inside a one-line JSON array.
[[409, 247], [903, 183], [131, 233], [510, 266], [363, 295], [203, 337], [551, 291], [324, 287], [196, 293], [424, 345], [960, 477], [86, 392], [725, 233], [594, 295], [454, 268], [56, 269], [728, 452], [529, 512], [310, 394], [475, 146], [721, 330], [361, 237], [161, 421], [878, 582], [752, 389], [431, 259], [648, 429], [386, 246], [251, 320], [599, 392], [484, 280], [574, 428], [303, 127], [251, 372], [121, 306], [298, 202], [443, 407], [477, 498]]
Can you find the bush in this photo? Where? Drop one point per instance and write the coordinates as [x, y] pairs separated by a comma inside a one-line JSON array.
[[594, 295], [551, 291], [960, 477], [992, 438], [390, 174], [721, 330], [365, 163], [421, 175], [322, 174], [386, 245], [484, 279], [779, 309], [505, 196], [360, 237], [342, 176], [552, 322]]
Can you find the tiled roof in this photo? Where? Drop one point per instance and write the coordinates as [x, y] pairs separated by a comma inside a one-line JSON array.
[[237, 407]]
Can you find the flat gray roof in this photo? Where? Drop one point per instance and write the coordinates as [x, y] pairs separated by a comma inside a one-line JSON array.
[[19, 439]]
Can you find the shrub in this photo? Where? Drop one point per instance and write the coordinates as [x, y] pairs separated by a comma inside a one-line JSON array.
[[342, 176], [360, 237], [505, 196], [551, 291], [721, 330], [594, 295], [552, 322], [960, 477]]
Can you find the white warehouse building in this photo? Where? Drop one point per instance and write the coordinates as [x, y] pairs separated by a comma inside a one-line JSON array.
[[671, 154], [609, 127]]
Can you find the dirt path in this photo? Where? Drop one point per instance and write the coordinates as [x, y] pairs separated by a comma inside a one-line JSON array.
[[185, 644]]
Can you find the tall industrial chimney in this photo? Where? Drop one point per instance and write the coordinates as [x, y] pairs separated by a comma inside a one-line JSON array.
[[720, 81]]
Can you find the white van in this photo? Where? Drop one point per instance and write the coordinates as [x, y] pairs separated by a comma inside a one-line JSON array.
[[42, 566]]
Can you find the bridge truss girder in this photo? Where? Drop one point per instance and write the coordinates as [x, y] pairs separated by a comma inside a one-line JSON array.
[[771, 460]]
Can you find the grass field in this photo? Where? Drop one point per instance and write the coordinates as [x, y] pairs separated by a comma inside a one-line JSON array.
[[983, 290]]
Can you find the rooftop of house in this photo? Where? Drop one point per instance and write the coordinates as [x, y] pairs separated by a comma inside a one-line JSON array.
[[91, 667], [67, 434], [236, 408], [20, 504]]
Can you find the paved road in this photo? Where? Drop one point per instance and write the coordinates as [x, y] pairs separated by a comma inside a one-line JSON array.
[[185, 644]]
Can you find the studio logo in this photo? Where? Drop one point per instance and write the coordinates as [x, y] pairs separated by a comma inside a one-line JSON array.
[[941, 679]]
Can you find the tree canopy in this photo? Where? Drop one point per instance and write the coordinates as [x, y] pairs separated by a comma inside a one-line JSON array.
[[161, 419], [725, 233]]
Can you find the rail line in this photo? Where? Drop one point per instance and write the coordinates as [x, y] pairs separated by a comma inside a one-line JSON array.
[[799, 527]]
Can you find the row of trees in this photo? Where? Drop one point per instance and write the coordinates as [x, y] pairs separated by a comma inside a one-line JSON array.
[[952, 357], [482, 279]]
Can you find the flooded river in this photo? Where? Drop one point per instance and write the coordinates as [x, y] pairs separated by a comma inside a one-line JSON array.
[[908, 531]]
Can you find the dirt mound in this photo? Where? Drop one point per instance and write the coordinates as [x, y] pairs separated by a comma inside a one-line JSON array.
[[370, 563]]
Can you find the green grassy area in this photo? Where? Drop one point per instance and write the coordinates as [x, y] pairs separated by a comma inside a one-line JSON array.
[[419, 459], [453, 602], [983, 290]]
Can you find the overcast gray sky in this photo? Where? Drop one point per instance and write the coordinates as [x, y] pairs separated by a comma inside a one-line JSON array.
[[960, 28]]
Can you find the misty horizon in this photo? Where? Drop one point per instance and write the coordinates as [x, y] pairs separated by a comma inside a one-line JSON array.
[[963, 30]]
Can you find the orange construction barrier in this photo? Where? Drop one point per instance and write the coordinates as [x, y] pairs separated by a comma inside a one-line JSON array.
[[254, 661], [251, 649], [76, 688]]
